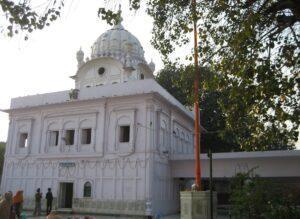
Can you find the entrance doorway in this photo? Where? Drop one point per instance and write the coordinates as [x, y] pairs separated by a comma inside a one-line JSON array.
[[65, 195]]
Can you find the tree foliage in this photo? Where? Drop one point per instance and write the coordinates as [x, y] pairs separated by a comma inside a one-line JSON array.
[[23, 16], [178, 80], [256, 198], [255, 45]]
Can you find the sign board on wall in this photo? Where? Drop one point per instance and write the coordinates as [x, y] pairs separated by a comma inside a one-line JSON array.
[[67, 164]]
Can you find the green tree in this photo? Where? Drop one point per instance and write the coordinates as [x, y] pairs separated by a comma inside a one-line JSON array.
[[255, 45], [23, 16], [178, 80]]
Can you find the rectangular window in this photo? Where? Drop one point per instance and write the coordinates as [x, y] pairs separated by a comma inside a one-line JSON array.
[[124, 133], [53, 138], [86, 136], [23, 141], [70, 136]]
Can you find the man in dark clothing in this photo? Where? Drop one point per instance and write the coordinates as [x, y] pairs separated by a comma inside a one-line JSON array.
[[49, 198]]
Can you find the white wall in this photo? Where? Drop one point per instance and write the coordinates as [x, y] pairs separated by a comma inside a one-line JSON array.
[[137, 170], [266, 164]]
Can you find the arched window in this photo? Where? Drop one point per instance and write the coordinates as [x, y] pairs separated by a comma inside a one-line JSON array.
[[163, 134], [87, 190], [177, 143], [183, 141]]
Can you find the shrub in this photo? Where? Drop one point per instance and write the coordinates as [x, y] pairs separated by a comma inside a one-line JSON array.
[[256, 198]]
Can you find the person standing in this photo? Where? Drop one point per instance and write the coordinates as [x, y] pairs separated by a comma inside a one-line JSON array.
[[49, 198], [18, 203], [38, 200], [12, 214], [5, 206]]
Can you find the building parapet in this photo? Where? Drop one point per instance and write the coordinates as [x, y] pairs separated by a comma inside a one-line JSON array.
[[105, 91]]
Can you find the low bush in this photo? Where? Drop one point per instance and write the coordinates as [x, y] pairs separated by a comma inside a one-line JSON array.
[[255, 198]]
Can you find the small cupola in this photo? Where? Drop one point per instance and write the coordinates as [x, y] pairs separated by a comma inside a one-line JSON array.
[[80, 58]]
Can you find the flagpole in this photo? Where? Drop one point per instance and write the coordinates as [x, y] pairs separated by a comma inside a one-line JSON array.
[[196, 104]]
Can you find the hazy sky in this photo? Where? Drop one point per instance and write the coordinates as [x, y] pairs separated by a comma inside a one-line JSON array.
[[45, 62]]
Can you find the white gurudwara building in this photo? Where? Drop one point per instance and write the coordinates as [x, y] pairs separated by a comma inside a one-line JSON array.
[[104, 146], [118, 143]]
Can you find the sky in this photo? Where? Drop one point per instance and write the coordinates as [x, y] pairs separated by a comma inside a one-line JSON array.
[[47, 59]]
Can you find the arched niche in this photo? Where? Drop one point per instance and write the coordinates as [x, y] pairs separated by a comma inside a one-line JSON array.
[[23, 136], [121, 133], [69, 136], [124, 133], [69, 124], [87, 189], [86, 134], [53, 135], [163, 133]]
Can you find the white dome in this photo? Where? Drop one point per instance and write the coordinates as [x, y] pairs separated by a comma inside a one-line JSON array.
[[120, 44], [117, 57]]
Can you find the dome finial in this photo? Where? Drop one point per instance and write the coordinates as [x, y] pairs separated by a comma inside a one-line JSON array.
[[119, 19], [152, 65]]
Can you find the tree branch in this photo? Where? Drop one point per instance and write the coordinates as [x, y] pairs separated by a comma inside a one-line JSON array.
[[295, 36]]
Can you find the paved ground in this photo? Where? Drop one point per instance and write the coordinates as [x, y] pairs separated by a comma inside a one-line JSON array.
[[64, 216], [111, 217]]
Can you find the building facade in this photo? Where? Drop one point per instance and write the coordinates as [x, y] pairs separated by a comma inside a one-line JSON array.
[[105, 146]]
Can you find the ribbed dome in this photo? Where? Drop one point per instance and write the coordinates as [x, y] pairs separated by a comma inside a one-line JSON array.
[[120, 44]]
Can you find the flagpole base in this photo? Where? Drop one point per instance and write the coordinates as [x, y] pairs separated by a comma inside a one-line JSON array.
[[196, 205]]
